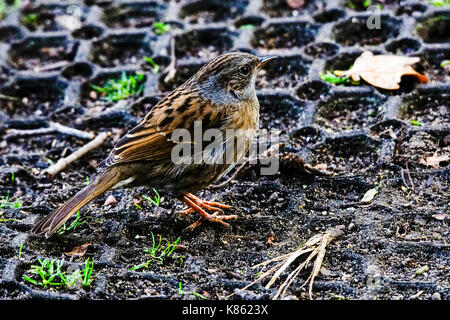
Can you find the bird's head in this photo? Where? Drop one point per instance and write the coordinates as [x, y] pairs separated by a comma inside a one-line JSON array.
[[231, 75]]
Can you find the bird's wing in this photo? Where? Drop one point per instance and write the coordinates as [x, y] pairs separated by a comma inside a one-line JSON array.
[[151, 139]]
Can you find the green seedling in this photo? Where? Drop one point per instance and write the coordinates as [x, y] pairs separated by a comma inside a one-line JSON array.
[[356, 4], [416, 123], [155, 67], [445, 63], [422, 270], [6, 203], [440, 3], [160, 28], [30, 21], [77, 222], [86, 273], [155, 200], [12, 177], [157, 252], [180, 292], [49, 273], [123, 88], [87, 180], [334, 79]]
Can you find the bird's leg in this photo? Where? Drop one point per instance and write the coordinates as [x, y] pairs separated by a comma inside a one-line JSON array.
[[198, 205], [209, 205]]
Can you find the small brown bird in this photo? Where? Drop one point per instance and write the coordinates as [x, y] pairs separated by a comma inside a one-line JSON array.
[[222, 96]]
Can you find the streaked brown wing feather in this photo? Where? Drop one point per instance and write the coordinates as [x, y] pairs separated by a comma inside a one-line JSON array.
[[150, 139]]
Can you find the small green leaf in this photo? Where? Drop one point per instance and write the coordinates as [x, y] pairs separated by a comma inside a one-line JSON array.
[[439, 3], [445, 63], [332, 78], [20, 250], [422, 270], [367, 3], [154, 201], [160, 28], [30, 280], [369, 195], [416, 123]]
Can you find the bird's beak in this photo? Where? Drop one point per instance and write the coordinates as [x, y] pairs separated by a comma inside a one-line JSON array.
[[264, 60]]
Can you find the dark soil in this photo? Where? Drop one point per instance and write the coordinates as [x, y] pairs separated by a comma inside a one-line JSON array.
[[114, 51], [431, 109], [134, 15], [285, 35], [354, 30], [349, 112], [204, 43], [285, 72], [358, 138], [46, 53], [201, 11]]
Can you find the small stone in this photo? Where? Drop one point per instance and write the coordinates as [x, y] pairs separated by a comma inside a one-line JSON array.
[[436, 296], [110, 200], [93, 95]]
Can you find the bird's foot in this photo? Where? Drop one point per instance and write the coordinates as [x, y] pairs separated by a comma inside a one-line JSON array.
[[199, 206]]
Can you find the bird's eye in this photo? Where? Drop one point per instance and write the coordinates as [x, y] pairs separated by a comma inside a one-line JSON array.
[[244, 70]]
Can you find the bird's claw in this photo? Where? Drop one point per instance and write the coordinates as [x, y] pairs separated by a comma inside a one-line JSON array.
[[198, 205]]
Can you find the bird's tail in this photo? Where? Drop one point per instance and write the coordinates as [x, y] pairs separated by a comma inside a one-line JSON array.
[[102, 183]]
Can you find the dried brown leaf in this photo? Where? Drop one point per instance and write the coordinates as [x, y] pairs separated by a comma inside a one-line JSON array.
[[383, 71], [434, 161], [79, 251]]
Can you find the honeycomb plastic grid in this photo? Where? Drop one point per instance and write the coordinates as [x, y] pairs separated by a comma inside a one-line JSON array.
[[323, 36]]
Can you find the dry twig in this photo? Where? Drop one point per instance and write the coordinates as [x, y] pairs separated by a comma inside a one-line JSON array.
[[64, 162], [172, 67], [52, 66], [5, 97], [315, 246], [53, 127]]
